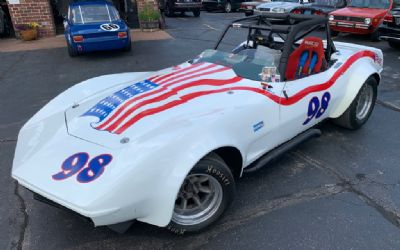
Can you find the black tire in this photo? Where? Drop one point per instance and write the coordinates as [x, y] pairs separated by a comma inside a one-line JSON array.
[[394, 44], [168, 11], [248, 14], [349, 119], [375, 36], [228, 7], [334, 33], [214, 168], [128, 47], [71, 51], [196, 13]]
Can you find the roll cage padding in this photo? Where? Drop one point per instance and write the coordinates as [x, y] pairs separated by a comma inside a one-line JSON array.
[[293, 32]]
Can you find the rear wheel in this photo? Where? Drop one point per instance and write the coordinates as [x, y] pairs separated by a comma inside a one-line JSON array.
[[196, 13], [361, 108], [204, 195], [128, 46], [71, 51], [228, 7], [394, 44], [248, 14], [168, 11]]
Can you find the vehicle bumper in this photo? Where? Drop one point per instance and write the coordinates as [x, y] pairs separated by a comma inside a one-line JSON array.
[[99, 44], [351, 27], [389, 33], [247, 11], [187, 6]]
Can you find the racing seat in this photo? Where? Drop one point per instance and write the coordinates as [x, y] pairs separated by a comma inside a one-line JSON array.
[[307, 59]]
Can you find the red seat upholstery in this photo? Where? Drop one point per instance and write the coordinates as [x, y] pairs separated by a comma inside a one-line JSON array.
[[307, 59]]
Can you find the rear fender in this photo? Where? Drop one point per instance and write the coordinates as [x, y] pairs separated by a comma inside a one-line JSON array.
[[362, 69]]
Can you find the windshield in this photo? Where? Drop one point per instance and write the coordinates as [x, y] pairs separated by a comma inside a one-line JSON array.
[[85, 14], [329, 2], [290, 1], [255, 64], [377, 4]]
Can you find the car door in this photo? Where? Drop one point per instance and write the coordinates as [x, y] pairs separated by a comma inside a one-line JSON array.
[[306, 103]]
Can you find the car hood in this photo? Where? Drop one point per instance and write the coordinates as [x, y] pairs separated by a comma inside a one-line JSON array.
[[141, 107], [285, 5], [360, 12], [323, 8]]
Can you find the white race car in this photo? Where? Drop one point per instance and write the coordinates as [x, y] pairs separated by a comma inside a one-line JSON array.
[[167, 147]]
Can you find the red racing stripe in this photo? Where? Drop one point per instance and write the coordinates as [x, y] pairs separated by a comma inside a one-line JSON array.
[[293, 99], [320, 87], [125, 105], [174, 91], [180, 71], [186, 73]]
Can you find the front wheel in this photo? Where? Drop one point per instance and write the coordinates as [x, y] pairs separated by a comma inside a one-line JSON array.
[[204, 195], [334, 33], [394, 44], [375, 36], [361, 108], [196, 13]]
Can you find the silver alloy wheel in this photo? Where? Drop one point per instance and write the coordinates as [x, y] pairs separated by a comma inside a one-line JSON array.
[[198, 199], [364, 101], [228, 7]]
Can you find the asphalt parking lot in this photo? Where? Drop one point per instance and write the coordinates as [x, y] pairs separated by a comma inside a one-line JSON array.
[[339, 191]]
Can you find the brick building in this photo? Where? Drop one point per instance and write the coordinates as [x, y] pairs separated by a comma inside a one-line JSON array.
[[48, 13]]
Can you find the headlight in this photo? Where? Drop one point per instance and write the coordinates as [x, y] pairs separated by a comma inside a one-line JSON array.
[[331, 18], [279, 10], [367, 21]]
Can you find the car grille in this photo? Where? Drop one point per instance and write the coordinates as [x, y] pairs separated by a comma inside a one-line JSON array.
[[264, 9], [350, 18], [397, 20]]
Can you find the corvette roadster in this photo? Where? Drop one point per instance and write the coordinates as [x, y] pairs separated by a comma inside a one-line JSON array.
[[167, 147]]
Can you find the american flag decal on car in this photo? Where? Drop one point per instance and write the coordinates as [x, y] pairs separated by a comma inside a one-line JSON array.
[[121, 110]]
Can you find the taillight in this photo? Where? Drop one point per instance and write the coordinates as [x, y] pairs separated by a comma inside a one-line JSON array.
[[122, 35], [388, 18], [318, 12], [296, 11], [78, 39]]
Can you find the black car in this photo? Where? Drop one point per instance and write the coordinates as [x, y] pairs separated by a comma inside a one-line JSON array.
[[5, 24], [390, 28], [225, 5], [320, 7], [170, 7]]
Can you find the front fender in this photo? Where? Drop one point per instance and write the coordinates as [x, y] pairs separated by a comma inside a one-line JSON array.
[[161, 205], [354, 79]]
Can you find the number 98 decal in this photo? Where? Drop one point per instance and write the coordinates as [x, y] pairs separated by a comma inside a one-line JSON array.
[[316, 108], [109, 27], [76, 164]]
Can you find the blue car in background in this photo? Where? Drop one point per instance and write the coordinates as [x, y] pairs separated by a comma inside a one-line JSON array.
[[94, 26]]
